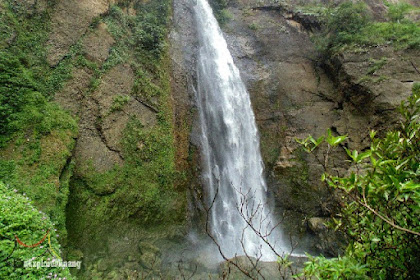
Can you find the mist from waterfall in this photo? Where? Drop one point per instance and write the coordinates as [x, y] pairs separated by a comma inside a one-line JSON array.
[[232, 164]]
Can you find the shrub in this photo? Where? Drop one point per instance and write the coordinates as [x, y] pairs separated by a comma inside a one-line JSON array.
[[397, 12], [350, 25], [15, 86], [338, 268], [149, 34], [342, 26], [145, 32], [18, 217], [401, 35], [119, 102], [383, 202]]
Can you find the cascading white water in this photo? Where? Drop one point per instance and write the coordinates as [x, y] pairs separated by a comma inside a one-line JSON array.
[[232, 164]]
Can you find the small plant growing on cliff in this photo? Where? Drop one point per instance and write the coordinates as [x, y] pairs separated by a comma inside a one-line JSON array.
[[397, 12], [382, 204], [350, 25], [119, 102], [342, 26], [222, 15], [254, 26], [376, 65]]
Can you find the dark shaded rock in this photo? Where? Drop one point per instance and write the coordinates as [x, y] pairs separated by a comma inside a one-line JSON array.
[[326, 240]]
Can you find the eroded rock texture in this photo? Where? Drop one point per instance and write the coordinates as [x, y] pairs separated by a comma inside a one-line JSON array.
[[295, 95]]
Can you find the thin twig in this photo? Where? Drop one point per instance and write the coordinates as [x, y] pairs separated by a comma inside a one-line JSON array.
[[218, 245], [415, 68], [366, 205]]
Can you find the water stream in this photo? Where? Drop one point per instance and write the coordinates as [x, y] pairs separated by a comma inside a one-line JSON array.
[[233, 170]]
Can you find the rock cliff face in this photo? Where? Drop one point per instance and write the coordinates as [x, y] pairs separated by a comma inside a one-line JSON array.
[[294, 95], [131, 146]]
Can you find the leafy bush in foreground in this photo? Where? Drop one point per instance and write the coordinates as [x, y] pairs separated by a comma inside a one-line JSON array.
[[382, 214], [18, 217]]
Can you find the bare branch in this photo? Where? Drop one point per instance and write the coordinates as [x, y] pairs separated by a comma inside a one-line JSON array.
[[246, 273]]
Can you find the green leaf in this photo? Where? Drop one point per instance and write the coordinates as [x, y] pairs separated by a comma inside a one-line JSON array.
[[372, 134]]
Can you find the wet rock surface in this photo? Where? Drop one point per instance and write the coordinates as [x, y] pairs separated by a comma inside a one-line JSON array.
[[292, 97], [295, 95]]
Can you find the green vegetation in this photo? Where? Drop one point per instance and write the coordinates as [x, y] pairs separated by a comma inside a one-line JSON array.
[[221, 13], [376, 65], [397, 12], [119, 102], [20, 218], [140, 193], [26, 81], [311, 9], [371, 75], [336, 268], [383, 204], [142, 188], [254, 26], [145, 32], [36, 136], [144, 185], [350, 25]]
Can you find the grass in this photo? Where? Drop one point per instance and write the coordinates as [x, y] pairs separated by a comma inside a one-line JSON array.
[[377, 65], [119, 102], [350, 26]]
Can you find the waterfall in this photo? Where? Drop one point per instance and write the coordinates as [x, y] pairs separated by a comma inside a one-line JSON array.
[[232, 164]]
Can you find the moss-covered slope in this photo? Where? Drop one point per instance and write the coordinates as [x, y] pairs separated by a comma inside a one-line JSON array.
[[87, 127]]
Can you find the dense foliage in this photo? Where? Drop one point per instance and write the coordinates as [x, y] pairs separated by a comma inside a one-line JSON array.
[[20, 218], [381, 216], [26, 81], [22, 106], [36, 136], [350, 25], [148, 27]]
